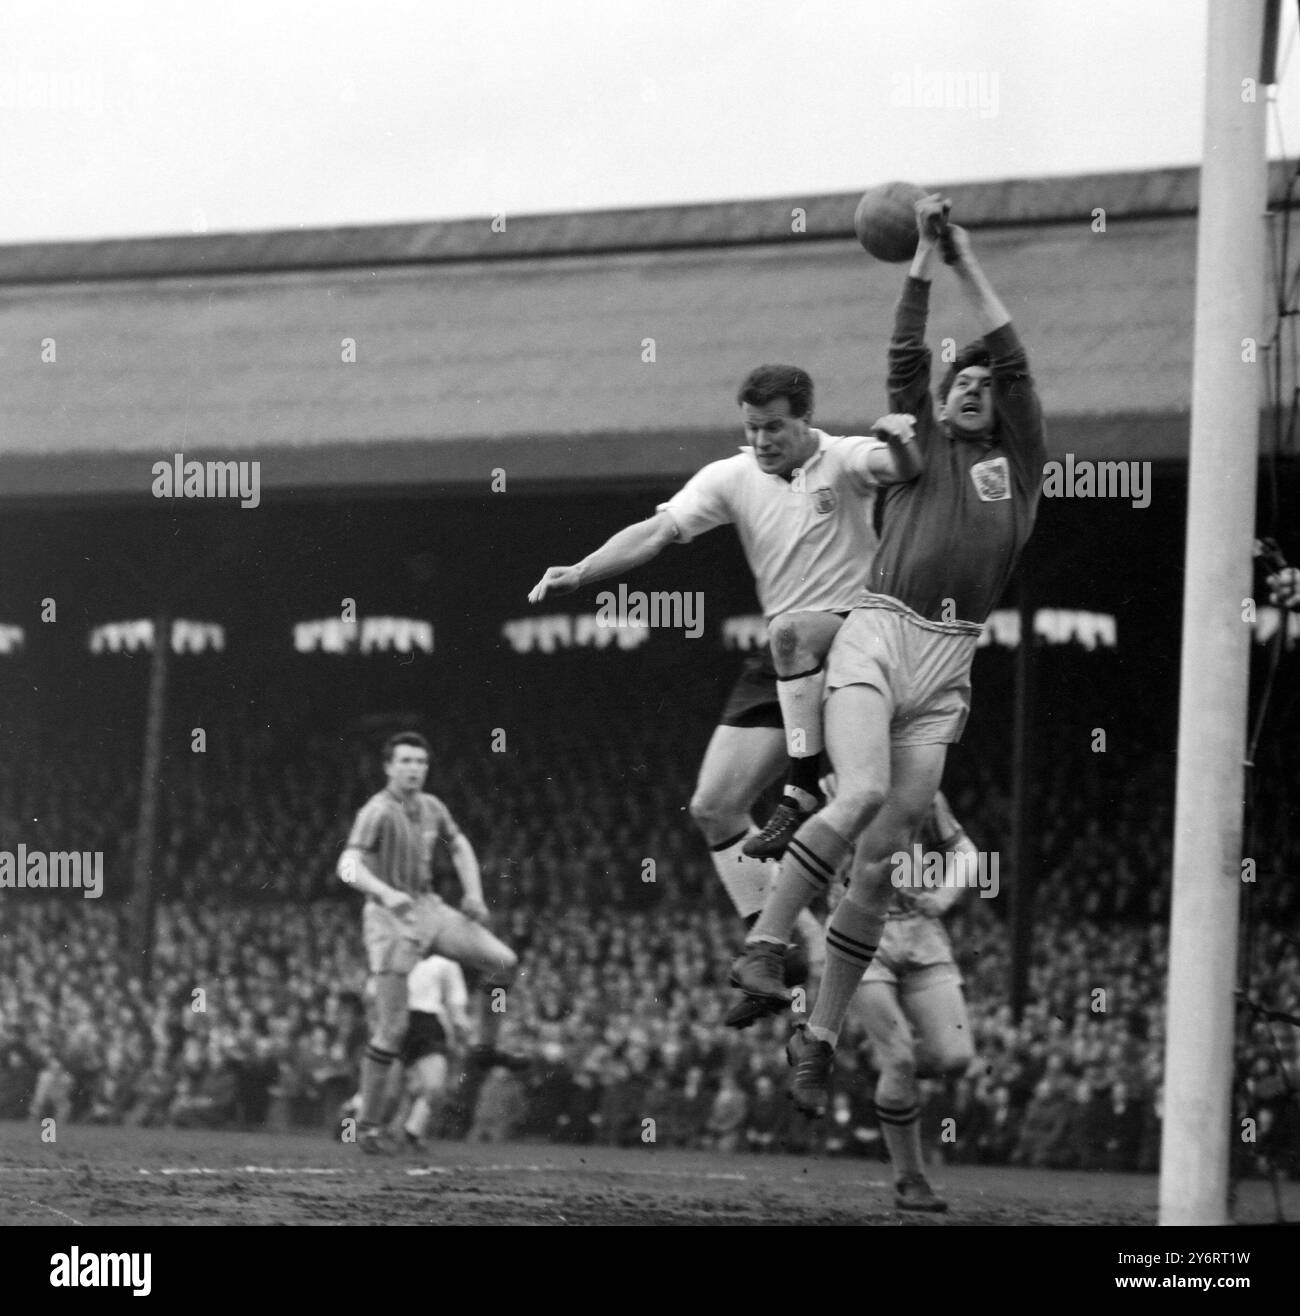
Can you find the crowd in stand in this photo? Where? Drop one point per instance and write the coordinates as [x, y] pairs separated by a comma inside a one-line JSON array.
[[257, 1018], [253, 1014]]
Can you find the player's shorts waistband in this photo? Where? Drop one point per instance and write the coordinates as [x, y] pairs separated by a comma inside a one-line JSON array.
[[835, 610], [891, 604], [414, 896]]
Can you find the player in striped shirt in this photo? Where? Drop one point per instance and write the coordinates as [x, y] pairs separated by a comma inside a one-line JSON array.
[[801, 502], [389, 857], [898, 673]]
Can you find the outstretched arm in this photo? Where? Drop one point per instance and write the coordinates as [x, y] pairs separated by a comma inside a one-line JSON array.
[[978, 291], [931, 218], [1020, 414], [897, 460], [909, 358], [631, 547]]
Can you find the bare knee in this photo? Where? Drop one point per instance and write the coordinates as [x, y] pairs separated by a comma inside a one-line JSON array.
[[893, 1047], [887, 845], [897, 1067], [856, 804], [783, 636], [950, 1059], [714, 812], [703, 809], [957, 1061]]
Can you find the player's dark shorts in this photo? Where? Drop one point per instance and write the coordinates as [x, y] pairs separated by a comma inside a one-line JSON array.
[[752, 701], [425, 1036]]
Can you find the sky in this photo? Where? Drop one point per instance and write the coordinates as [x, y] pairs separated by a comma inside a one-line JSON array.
[[141, 117]]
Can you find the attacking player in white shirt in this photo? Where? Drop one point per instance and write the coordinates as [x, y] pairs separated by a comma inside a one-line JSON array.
[[439, 1022], [801, 502], [437, 1025]]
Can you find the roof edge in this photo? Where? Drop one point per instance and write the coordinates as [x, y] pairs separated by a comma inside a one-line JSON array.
[[1000, 203], [533, 460]]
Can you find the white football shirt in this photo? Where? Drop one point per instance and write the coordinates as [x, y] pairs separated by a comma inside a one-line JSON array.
[[437, 986], [809, 541]]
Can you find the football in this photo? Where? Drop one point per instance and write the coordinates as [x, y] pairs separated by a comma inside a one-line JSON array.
[[885, 221]]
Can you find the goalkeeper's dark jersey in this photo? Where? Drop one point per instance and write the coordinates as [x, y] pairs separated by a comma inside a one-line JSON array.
[[951, 537]]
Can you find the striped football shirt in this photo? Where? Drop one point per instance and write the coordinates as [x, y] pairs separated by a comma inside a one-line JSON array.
[[397, 837]]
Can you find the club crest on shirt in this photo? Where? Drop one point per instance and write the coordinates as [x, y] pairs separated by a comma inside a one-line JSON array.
[[992, 479], [823, 500]]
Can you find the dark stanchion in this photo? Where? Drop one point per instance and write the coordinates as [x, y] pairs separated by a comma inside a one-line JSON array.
[[1024, 834], [142, 883]]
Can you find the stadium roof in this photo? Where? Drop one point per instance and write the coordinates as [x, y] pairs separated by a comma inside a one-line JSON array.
[[530, 348]]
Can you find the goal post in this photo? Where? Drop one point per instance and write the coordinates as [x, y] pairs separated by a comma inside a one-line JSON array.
[[1216, 636]]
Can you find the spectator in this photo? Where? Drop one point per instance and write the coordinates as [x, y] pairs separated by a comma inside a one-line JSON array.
[[1121, 1130], [584, 1105], [849, 1131], [18, 1076], [970, 1112], [256, 1071], [205, 1096], [53, 1097], [501, 1107], [113, 1094], [1000, 1135], [727, 1117], [551, 1096], [154, 1095], [765, 1125], [688, 1111], [1046, 1120]]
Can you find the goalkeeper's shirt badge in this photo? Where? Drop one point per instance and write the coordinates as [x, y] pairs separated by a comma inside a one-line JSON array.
[[992, 480]]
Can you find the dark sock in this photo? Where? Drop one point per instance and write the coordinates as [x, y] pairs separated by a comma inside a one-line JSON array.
[[375, 1067], [802, 776]]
